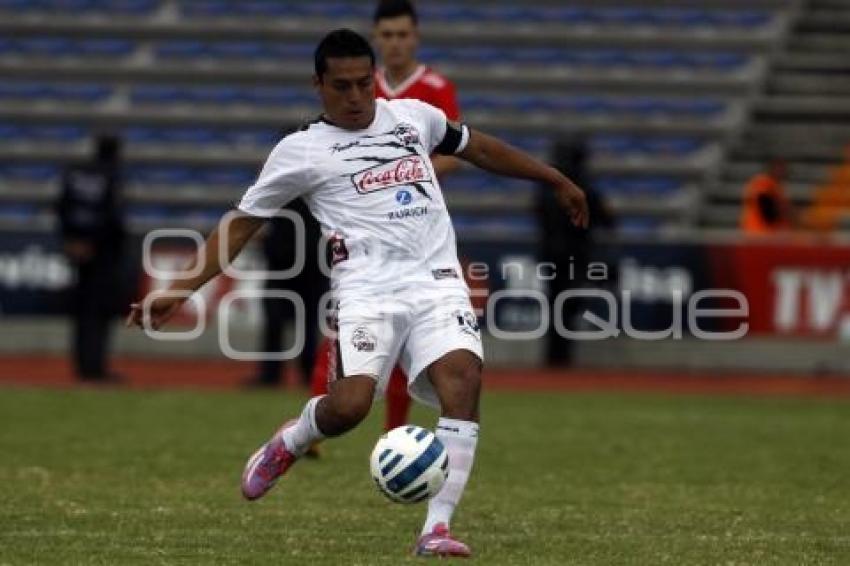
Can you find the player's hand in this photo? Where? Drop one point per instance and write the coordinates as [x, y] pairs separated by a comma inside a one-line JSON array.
[[573, 199], [160, 310]]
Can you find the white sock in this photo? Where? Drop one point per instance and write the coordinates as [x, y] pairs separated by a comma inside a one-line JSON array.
[[305, 432], [460, 439]]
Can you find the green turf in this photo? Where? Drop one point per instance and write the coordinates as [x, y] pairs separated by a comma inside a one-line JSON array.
[[112, 477]]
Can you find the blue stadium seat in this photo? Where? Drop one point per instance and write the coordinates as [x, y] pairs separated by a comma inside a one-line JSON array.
[[22, 90], [181, 49], [33, 172], [277, 96], [671, 145], [335, 10], [80, 92], [46, 46], [717, 60], [540, 55], [157, 94], [681, 17], [640, 105], [600, 57], [15, 5], [142, 134], [214, 95], [259, 137], [616, 144], [18, 211], [658, 59], [56, 133], [507, 226], [586, 104], [106, 47], [623, 16], [65, 5], [638, 225], [297, 51], [200, 136], [702, 107], [160, 174], [740, 18], [571, 15], [206, 8], [130, 7], [231, 176], [149, 213], [651, 185], [11, 132], [239, 49]]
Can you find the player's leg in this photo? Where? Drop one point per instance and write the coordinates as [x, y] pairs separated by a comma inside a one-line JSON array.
[[346, 404], [456, 378], [444, 356], [366, 347], [398, 400]]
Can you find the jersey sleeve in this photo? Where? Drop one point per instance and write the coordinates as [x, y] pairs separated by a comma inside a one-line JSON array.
[[440, 135], [284, 177]]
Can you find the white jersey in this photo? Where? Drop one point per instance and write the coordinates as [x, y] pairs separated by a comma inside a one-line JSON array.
[[374, 192]]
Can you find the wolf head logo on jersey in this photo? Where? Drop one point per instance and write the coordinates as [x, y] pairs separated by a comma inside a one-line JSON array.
[[406, 134]]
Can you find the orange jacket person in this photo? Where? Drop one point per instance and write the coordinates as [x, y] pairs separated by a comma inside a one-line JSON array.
[[766, 208]]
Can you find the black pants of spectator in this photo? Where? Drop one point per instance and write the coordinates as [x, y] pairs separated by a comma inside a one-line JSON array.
[[95, 298], [280, 314]]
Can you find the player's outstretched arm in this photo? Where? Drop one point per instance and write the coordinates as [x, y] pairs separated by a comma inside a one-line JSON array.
[[240, 229], [492, 154]]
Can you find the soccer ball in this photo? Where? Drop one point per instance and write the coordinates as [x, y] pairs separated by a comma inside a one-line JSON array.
[[409, 464]]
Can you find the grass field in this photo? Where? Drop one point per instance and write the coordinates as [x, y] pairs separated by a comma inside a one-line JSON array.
[[130, 477]]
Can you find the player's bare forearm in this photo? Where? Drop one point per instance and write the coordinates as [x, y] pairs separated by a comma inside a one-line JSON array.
[[445, 164], [492, 154], [240, 229], [237, 228]]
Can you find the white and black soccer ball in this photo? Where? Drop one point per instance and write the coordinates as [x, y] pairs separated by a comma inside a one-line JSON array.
[[409, 464]]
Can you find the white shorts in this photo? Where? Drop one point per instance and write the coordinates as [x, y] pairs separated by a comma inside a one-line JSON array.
[[412, 326]]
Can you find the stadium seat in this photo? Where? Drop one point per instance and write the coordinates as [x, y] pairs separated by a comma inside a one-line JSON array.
[[33, 172], [181, 49], [257, 137], [79, 92], [10, 133], [650, 185], [195, 136], [160, 174], [157, 94], [106, 47], [55, 133], [230, 176], [18, 212]]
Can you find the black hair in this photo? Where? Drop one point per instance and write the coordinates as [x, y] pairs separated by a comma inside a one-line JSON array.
[[395, 8], [341, 43]]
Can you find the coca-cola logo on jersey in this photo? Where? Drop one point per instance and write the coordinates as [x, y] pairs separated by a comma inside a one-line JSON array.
[[402, 171]]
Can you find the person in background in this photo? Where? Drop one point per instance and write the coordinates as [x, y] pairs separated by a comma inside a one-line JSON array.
[[766, 208], [401, 75], [567, 246], [90, 215]]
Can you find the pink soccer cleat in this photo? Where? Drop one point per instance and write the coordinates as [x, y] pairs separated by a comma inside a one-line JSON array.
[[267, 464], [439, 542]]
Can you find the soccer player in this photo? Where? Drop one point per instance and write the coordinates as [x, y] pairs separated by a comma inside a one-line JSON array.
[[396, 35], [363, 169]]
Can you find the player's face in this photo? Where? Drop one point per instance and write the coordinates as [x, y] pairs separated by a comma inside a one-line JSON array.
[[347, 90], [397, 40]]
